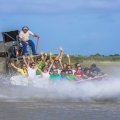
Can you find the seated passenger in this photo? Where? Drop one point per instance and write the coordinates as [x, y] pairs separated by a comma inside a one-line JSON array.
[[40, 63], [38, 71], [25, 40], [55, 74], [70, 75], [22, 71], [79, 74], [95, 71], [64, 67], [77, 65], [45, 73], [63, 74], [31, 68], [88, 74]]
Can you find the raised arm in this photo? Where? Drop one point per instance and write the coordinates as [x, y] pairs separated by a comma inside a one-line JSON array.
[[61, 63], [68, 56], [42, 56], [50, 66], [31, 59], [51, 56], [45, 57], [14, 66], [60, 54], [24, 60]]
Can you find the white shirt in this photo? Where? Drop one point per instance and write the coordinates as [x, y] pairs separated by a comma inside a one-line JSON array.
[[25, 36], [31, 72], [45, 75], [59, 71]]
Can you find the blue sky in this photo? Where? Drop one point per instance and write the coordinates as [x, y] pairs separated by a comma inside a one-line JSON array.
[[80, 26]]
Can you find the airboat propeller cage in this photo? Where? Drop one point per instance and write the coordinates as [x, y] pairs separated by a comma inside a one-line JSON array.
[[9, 39], [10, 36]]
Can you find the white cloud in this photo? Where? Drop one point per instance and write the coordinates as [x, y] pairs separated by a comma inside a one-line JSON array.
[[53, 6]]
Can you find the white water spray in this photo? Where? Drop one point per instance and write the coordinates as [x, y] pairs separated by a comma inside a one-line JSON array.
[[108, 89]]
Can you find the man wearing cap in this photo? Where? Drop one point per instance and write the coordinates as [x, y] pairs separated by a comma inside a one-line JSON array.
[[24, 36]]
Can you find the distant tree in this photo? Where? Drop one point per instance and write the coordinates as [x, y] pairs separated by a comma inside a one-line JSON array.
[[116, 55], [97, 54]]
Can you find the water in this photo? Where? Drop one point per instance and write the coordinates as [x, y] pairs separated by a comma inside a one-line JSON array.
[[58, 110], [43, 100]]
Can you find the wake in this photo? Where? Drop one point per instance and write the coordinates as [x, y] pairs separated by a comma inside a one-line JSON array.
[[106, 89], [43, 89]]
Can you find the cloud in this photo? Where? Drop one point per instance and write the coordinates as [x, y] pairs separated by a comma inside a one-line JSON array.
[[56, 6]]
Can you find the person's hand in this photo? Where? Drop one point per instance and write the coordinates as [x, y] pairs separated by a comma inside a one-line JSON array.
[[61, 49], [45, 54], [24, 57], [60, 60], [50, 53], [68, 55]]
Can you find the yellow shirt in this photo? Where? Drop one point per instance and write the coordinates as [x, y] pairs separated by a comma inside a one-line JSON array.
[[22, 72]]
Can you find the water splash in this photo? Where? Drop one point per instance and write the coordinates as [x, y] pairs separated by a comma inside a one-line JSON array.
[[108, 89]]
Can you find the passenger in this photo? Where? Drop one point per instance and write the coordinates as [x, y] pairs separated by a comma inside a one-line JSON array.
[[56, 63], [38, 72], [69, 67], [46, 66], [77, 65], [63, 74], [70, 75], [79, 74], [56, 59], [55, 75], [24, 37], [47, 62], [40, 63], [88, 74], [64, 67], [45, 73], [53, 67], [51, 72], [95, 71], [30, 68], [22, 71]]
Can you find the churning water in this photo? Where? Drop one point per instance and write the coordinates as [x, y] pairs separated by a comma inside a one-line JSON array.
[[40, 99], [20, 87]]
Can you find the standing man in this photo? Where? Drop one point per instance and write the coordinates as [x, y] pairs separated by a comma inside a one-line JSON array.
[[24, 36]]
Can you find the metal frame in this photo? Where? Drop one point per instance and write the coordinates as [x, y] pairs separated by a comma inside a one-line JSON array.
[[5, 33]]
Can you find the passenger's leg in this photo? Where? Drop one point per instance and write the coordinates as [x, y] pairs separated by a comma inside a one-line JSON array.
[[24, 45], [32, 46]]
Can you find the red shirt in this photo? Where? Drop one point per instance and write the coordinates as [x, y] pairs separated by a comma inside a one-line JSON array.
[[79, 74]]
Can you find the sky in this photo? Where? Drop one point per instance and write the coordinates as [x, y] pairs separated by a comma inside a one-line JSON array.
[[84, 27]]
